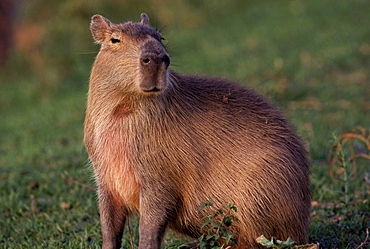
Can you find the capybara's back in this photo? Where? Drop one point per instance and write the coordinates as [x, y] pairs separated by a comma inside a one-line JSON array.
[[162, 143]]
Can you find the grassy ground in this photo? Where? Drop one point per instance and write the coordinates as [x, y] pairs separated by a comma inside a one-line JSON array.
[[311, 58]]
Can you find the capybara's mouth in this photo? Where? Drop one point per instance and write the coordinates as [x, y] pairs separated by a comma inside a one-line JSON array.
[[153, 90]]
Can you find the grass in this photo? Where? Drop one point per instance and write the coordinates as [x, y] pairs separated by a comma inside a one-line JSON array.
[[311, 58]]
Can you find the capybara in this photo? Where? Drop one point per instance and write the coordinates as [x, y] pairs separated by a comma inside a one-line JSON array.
[[161, 143]]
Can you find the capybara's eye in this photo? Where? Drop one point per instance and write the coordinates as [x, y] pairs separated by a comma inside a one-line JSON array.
[[113, 40]]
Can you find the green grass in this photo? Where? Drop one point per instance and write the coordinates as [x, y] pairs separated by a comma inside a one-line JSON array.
[[312, 58]]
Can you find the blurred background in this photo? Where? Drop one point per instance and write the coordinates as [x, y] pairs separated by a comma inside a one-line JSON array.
[[311, 58]]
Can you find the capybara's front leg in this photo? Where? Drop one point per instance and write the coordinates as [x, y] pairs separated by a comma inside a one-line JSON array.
[[154, 216], [151, 231], [112, 217]]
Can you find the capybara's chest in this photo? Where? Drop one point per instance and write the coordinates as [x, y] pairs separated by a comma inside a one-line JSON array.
[[113, 166]]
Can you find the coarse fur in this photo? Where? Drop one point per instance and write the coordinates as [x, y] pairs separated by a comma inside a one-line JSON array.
[[162, 143]]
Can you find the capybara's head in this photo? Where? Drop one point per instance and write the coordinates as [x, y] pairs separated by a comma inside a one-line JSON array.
[[132, 55]]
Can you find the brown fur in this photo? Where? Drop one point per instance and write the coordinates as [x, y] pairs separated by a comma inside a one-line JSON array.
[[162, 143]]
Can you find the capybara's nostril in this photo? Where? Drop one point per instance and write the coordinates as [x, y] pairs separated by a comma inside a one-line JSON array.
[[156, 59]]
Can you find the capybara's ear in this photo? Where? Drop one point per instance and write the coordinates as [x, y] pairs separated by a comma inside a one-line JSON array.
[[144, 19], [100, 27]]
